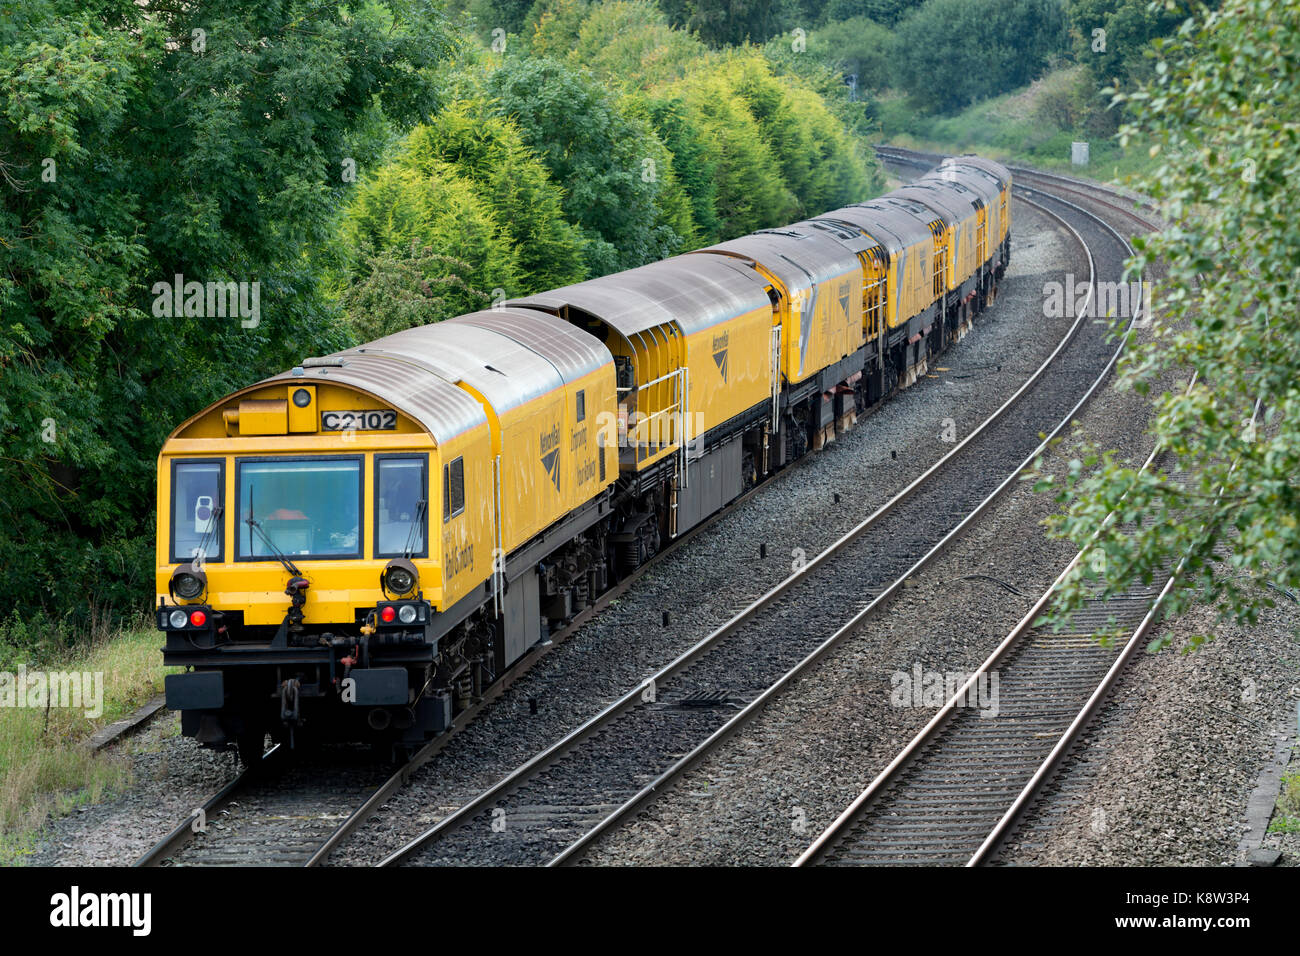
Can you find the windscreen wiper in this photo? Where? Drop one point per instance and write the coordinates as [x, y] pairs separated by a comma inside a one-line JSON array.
[[201, 552], [266, 538], [415, 526]]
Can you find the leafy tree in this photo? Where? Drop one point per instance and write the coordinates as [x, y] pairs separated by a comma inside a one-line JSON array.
[[953, 52], [1221, 115], [695, 161], [814, 64], [553, 26], [732, 22], [859, 47], [135, 149], [508, 15], [887, 12], [633, 42], [418, 202], [401, 287], [614, 171], [489, 152], [751, 193], [1120, 53], [819, 163]]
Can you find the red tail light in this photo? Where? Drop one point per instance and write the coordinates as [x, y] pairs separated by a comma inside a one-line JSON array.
[[388, 614], [198, 619]]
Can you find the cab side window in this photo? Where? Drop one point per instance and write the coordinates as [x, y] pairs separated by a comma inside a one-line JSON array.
[[196, 510], [453, 489]]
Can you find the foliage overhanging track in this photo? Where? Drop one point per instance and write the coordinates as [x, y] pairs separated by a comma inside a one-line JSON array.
[[553, 802]]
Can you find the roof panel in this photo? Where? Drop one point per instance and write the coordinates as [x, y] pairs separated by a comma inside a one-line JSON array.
[[689, 291], [572, 351], [948, 203], [793, 254], [893, 226], [987, 166], [441, 408]]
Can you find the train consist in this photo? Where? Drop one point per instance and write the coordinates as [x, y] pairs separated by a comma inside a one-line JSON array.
[[358, 547]]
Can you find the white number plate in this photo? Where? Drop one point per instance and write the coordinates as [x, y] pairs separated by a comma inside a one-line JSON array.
[[362, 419]]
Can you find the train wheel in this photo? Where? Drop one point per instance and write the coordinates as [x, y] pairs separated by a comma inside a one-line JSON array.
[[251, 745]]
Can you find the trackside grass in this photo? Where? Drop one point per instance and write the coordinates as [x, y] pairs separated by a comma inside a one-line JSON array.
[[44, 768]]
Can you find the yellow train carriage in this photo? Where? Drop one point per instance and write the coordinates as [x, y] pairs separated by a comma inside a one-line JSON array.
[[818, 284], [959, 221], [1000, 177], [694, 341], [992, 184], [545, 403], [911, 247]]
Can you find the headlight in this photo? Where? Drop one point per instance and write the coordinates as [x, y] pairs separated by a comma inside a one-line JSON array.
[[302, 398], [400, 577], [187, 585], [406, 614], [178, 618]]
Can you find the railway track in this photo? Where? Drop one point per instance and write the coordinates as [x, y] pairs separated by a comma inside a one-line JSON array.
[[954, 794], [951, 796], [1072, 668], [266, 817], [554, 805]]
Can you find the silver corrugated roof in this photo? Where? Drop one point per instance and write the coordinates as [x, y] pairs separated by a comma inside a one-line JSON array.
[[572, 351], [971, 180], [980, 181], [944, 202], [846, 235], [793, 254], [689, 291], [504, 372], [893, 226], [441, 408], [996, 170]]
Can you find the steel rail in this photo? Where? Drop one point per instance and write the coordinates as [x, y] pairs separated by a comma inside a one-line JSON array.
[[1004, 825], [184, 832], [550, 755], [1053, 761], [648, 793]]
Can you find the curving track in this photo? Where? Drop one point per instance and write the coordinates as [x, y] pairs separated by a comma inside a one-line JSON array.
[[552, 807], [565, 797], [955, 793]]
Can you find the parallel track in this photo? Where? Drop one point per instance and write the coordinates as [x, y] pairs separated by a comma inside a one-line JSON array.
[[957, 791], [607, 768], [294, 817]]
